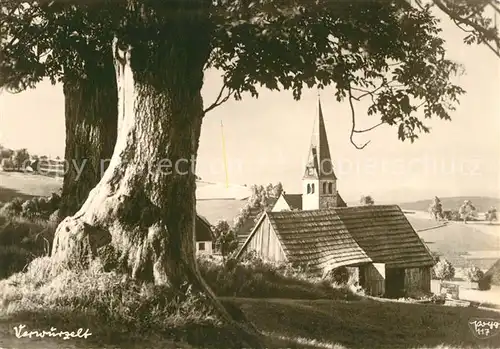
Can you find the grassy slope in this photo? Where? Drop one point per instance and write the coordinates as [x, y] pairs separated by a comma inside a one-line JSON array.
[[480, 202], [323, 324], [368, 324], [13, 184]]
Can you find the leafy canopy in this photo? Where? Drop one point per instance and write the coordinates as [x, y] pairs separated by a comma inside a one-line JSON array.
[[56, 40], [388, 52]]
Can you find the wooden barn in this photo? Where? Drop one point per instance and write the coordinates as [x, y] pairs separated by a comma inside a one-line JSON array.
[[376, 243]]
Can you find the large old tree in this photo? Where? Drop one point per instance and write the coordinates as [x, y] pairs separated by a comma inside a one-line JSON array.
[[144, 206], [69, 45]]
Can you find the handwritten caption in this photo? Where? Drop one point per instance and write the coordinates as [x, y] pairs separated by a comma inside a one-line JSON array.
[[20, 332], [484, 328]]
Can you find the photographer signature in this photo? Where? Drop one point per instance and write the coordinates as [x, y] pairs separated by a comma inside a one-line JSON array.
[[484, 328]]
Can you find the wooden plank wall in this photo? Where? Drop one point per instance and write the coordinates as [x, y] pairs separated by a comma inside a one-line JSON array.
[[266, 243], [418, 279], [374, 279]]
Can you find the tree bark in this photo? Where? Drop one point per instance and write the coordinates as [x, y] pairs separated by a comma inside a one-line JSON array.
[[91, 113], [144, 206]]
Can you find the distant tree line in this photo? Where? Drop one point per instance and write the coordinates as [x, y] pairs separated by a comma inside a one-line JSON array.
[[466, 212], [13, 160]]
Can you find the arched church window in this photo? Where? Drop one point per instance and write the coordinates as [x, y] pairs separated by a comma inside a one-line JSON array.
[[312, 188], [324, 188], [308, 188], [330, 188]]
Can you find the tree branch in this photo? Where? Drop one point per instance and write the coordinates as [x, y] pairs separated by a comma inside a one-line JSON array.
[[369, 129], [220, 100], [455, 18], [353, 117]]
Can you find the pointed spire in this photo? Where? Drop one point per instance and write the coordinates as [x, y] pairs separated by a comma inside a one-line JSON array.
[[319, 163]]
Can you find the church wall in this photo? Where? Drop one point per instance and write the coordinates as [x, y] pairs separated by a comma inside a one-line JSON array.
[[310, 201], [327, 202], [327, 199]]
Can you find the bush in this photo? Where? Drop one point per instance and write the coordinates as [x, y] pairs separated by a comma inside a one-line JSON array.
[[443, 270], [35, 208], [339, 276], [12, 208], [40, 207], [474, 274], [484, 284], [255, 278]]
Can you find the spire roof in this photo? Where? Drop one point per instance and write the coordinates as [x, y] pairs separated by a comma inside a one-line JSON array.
[[319, 162]]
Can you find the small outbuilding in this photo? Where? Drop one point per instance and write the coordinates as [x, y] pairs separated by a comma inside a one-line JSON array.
[[376, 243]]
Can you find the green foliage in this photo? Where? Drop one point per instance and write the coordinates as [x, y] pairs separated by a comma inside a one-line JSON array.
[[474, 274], [443, 270]]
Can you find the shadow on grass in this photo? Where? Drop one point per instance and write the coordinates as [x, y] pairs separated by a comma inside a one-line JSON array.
[[369, 324], [195, 335], [8, 194]]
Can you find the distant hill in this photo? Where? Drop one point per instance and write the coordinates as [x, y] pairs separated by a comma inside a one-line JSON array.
[[481, 203]]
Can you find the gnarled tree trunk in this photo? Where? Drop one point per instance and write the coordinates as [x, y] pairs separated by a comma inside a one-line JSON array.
[[144, 205], [91, 113]]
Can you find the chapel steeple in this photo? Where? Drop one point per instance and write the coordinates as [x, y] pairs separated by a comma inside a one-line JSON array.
[[319, 181], [319, 161]]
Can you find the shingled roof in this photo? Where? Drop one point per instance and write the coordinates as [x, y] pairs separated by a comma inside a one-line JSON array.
[[203, 230], [348, 236], [384, 233], [293, 200], [317, 238], [340, 201]]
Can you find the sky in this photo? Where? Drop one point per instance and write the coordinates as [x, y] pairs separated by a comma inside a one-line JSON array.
[[267, 139]]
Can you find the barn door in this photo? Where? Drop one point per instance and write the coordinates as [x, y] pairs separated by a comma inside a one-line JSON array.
[[394, 282]]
